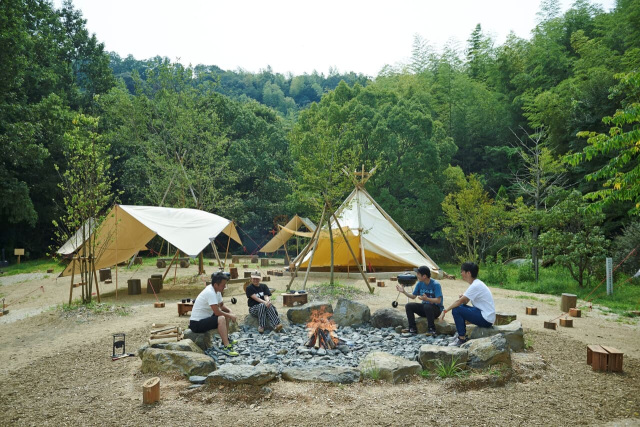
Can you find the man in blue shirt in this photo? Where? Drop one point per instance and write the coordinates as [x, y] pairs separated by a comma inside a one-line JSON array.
[[429, 292]]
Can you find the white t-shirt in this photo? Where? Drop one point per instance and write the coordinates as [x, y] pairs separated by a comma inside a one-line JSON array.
[[202, 307], [481, 298]]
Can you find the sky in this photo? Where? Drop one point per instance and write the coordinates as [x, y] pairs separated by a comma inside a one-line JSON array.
[[299, 36]]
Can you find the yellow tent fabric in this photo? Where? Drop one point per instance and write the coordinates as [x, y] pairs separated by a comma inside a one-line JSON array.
[[128, 228], [285, 233]]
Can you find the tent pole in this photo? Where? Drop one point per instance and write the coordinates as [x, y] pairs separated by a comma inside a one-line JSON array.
[[353, 254], [226, 254], [315, 245], [303, 254], [364, 259], [215, 251], [95, 277], [201, 263], [73, 273], [175, 270], [286, 253], [170, 264]]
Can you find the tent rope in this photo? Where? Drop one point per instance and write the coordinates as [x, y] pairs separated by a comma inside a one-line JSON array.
[[20, 299]]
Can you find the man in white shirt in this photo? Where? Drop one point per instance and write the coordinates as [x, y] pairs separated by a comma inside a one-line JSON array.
[[483, 312], [208, 309]]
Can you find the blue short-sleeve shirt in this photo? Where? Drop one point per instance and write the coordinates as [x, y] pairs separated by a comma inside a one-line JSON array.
[[432, 289]]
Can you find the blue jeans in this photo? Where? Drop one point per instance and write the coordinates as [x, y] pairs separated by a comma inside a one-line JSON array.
[[472, 314]]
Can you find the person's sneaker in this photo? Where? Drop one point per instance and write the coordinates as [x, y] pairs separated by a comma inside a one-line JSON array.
[[432, 332], [410, 331], [278, 327], [457, 343], [261, 329], [233, 342], [229, 351]]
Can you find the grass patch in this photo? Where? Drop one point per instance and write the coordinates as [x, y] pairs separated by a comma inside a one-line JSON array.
[[35, 266], [336, 290], [451, 369], [371, 370], [76, 307]]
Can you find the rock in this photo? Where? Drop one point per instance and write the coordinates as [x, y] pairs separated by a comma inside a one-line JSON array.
[[242, 374], [528, 366], [389, 318], [388, 367], [206, 340], [327, 374], [445, 328], [197, 379], [186, 362], [430, 355], [302, 314], [183, 345], [484, 352], [504, 318], [351, 313], [512, 332], [252, 322]]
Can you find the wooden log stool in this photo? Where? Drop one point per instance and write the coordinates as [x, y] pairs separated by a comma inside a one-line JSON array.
[[184, 263], [532, 311], [266, 279], [264, 262], [278, 273], [372, 280], [161, 263], [393, 279], [567, 323], [254, 259], [247, 274], [158, 304], [551, 325], [184, 308], [134, 287], [50, 270], [152, 287], [235, 259], [575, 312], [157, 281], [604, 358], [151, 391], [504, 319], [105, 274], [137, 260], [381, 284], [288, 300], [270, 272], [234, 272], [568, 301]]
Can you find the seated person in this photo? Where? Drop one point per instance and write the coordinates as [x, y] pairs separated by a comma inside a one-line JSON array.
[[209, 312], [429, 292], [260, 306], [483, 312]]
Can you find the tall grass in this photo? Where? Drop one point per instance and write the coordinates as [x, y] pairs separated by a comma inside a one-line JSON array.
[[34, 266]]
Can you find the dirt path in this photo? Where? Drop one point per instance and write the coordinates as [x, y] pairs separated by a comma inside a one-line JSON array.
[[56, 370]]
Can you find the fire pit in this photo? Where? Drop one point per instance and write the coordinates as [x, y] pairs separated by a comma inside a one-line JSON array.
[[321, 331]]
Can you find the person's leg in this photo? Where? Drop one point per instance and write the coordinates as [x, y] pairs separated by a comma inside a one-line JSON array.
[[458, 314], [258, 311], [222, 330], [431, 311], [272, 314], [411, 309], [472, 314], [204, 325]]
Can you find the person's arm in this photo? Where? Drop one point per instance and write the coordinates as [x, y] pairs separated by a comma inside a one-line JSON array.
[[266, 300], [431, 300], [460, 301], [401, 289]]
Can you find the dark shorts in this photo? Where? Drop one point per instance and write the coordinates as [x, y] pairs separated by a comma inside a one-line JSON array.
[[204, 325]]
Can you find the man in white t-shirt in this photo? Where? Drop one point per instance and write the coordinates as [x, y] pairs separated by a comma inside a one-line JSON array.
[[483, 312], [208, 309]]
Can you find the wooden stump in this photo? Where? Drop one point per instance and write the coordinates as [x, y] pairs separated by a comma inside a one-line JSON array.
[[278, 273], [393, 279], [105, 273], [614, 360], [567, 323], [151, 287], [264, 262], [50, 270], [568, 301], [161, 264], [504, 319], [235, 259], [234, 272], [550, 325], [212, 263], [184, 263], [151, 391], [158, 304], [157, 281], [575, 312], [381, 284], [137, 260], [134, 287], [254, 259], [604, 358], [266, 279], [245, 265], [532, 311], [270, 272], [372, 280], [247, 274]]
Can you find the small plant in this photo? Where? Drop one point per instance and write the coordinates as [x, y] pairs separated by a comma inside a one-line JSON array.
[[526, 273], [449, 369], [94, 308], [425, 373], [496, 271], [528, 342], [371, 370]]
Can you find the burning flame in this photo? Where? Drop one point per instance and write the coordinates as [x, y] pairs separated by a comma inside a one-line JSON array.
[[320, 319]]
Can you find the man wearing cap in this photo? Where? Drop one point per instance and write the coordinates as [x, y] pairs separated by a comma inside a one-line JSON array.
[[429, 292], [209, 312], [260, 306]]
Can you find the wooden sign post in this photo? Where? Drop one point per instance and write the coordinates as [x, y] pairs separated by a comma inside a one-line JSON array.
[[18, 253]]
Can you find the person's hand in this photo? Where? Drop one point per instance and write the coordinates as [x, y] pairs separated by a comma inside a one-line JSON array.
[[267, 303], [443, 313], [399, 289]]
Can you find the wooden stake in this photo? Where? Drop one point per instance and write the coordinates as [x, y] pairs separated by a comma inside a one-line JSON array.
[[352, 254], [170, 264], [73, 274], [313, 251]]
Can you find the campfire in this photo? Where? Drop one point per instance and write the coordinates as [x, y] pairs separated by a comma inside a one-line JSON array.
[[321, 330]]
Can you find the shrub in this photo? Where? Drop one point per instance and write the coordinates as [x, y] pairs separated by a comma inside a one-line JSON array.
[[526, 273]]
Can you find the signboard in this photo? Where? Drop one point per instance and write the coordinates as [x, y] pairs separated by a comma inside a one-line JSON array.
[[18, 252]]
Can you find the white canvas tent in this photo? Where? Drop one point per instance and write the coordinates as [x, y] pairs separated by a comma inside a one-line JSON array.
[[76, 241], [128, 228], [377, 240], [287, 231]]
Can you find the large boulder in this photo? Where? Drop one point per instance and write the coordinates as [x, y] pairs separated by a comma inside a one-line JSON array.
[[329, 374], [442, 327], [389, 318], [431, 355], [302, 314], [252, 322], [242, 374], [206, 340], [512, 332], [484, 352], [186, 362], [351, 313], [387, 367], [182, 345]]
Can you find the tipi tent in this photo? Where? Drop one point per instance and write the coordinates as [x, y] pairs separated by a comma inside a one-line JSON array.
[[287, 231], [378, 242], [128, 228], [76, 241]]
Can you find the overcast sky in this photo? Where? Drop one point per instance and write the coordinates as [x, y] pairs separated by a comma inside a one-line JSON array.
[[298, 36]]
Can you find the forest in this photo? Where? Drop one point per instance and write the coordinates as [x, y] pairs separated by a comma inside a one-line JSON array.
[[484, 152]]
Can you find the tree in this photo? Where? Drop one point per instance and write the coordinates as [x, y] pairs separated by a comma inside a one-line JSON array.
[[621, 173], [573, 237]]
